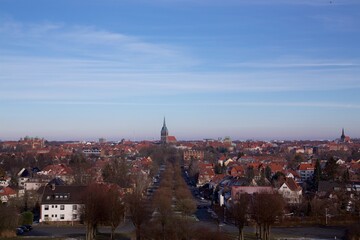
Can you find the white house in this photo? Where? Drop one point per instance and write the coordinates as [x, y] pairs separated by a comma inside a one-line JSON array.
[[34, 184], [291, 191], [61, 203], [306, 171], [23, 176], [5, 181]]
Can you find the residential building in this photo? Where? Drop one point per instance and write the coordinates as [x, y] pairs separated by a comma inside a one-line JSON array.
[[61, 203], [306, 171], [6, 193], [290, 191]]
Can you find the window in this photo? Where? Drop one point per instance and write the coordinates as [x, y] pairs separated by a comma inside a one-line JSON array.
[[46, 215], [62, 216], [47, 197], [74, 216], [46, 207], [62, 207], [74, 207]]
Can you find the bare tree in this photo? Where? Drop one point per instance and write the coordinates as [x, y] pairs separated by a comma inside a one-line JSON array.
[[162, 205], [93, 211], [239, 211], [115, 209], [266, 209], [138, 209], [79, 164], [117, 171], [8, 220]]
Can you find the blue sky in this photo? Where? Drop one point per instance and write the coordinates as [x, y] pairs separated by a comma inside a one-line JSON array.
[[259, 69]]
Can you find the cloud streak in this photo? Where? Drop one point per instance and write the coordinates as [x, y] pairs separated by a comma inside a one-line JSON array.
[[60, 63], [211, 104], [90, 43]]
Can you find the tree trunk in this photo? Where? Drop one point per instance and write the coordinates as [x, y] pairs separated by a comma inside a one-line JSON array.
[[269, 231], [138, 233], [112, 232], [264, 232], [261, 235], [90, 232], [163, 231], [241, 234]]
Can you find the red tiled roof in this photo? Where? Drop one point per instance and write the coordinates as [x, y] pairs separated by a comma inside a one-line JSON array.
[[276, 167], [58, 169], [7, 191], [171, 138], [306, 166], [292, 185], [218, 177]]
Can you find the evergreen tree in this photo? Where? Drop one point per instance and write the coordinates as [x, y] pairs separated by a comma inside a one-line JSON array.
[[250, 174], [346, 176], [331, 169], [268, 173], [317, 175]]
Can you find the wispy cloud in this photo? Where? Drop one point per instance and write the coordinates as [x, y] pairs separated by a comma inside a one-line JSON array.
[[310, 63], [66, 79], [338, 22], [260, 2], [71, 63], [58, 40], [211, 104]]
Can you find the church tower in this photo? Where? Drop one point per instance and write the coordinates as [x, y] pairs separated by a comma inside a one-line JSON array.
[[164, 133], [342, 138]]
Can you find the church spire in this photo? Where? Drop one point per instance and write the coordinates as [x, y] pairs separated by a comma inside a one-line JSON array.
[[342, 135], [164, 133]]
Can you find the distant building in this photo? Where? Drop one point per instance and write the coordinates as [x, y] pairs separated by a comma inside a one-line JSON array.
[[196, 154], [164, 135], [290, 191], [306, 171], [343, 138]]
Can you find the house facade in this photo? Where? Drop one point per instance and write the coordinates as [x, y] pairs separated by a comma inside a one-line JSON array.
[[61, 203], [6, 193], [291, 191], [306, 171]]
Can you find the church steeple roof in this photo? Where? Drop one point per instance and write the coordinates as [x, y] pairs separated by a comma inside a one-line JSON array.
[[164, 132], [342, 135]]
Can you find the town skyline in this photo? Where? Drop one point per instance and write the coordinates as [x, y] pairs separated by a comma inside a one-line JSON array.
[[245, 69], [159, 138]]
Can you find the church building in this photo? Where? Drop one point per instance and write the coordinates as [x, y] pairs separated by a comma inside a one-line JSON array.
[[343, 138], [165, 138]]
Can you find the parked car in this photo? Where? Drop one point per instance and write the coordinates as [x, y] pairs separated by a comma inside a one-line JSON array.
[[25, 229], [29, 227], [19, 231]]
